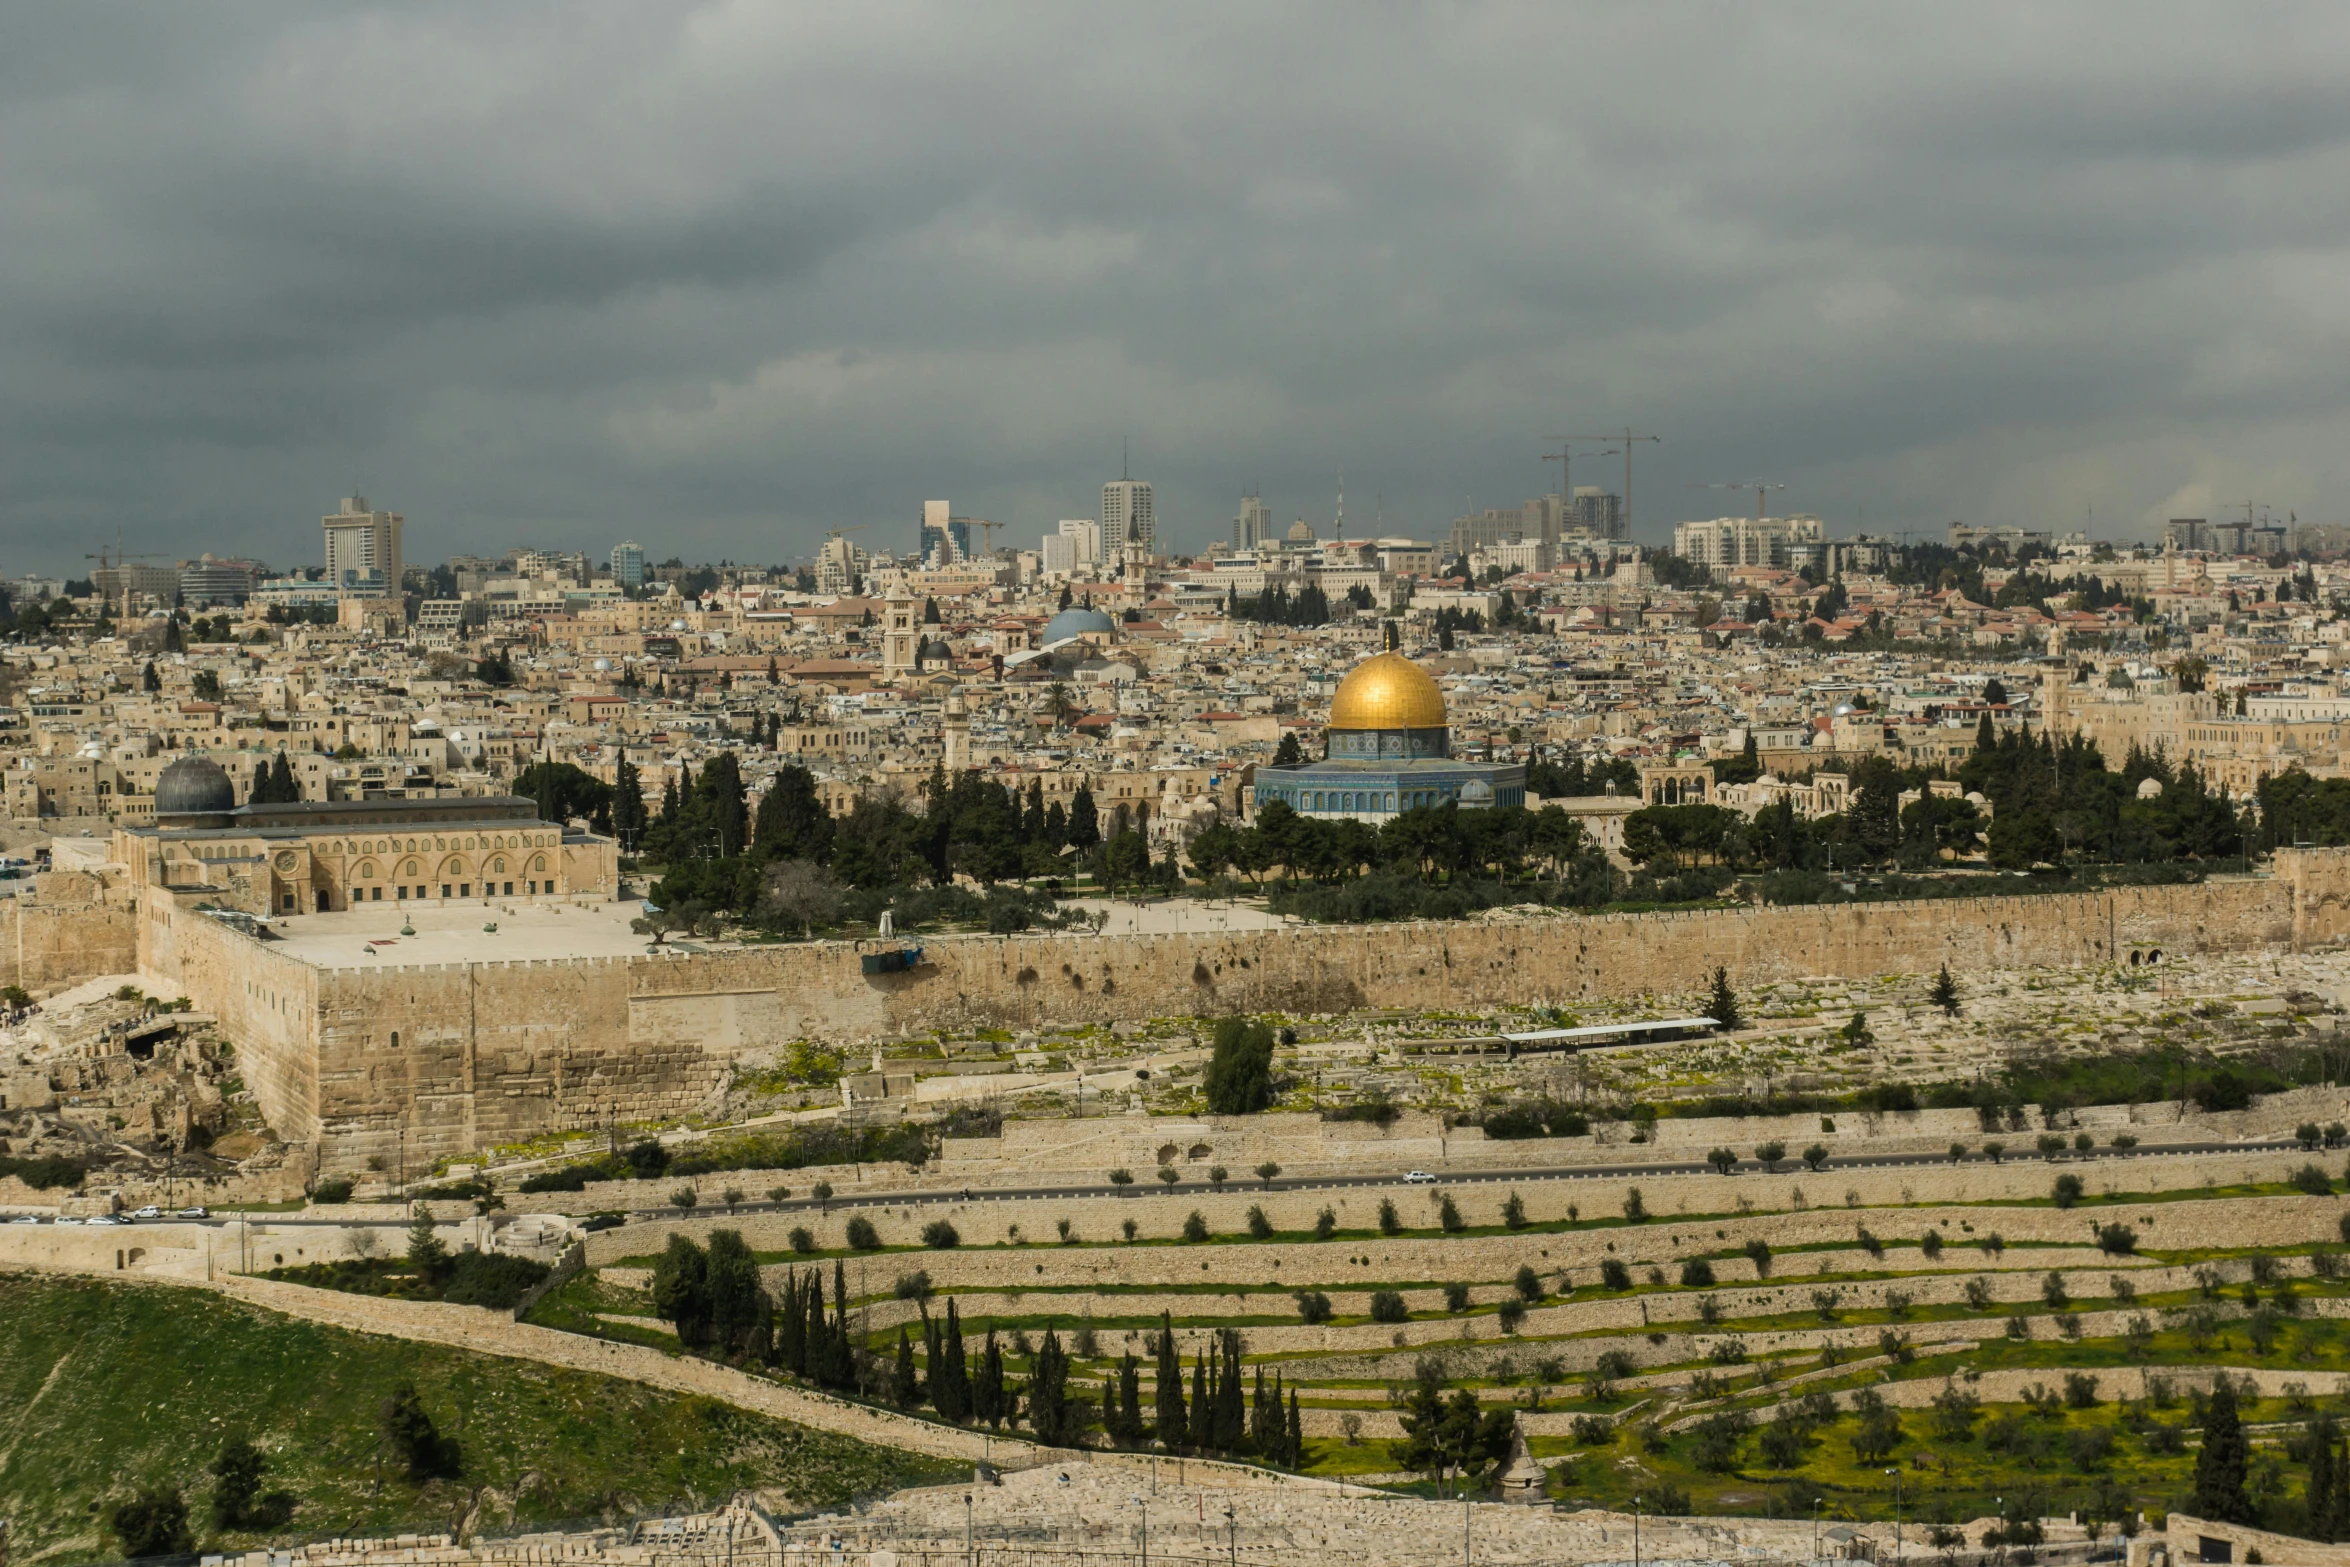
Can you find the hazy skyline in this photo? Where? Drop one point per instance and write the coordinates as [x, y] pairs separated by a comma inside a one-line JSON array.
[[721, 277]]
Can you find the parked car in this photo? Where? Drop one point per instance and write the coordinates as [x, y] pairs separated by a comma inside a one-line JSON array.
[[26, 1218], [148, 1212], [193, 1213], [104, 1218]]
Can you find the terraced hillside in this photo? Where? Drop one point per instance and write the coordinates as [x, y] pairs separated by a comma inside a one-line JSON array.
[[2049, 1343]]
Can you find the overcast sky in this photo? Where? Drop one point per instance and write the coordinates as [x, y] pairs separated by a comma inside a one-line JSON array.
[[721, 277]]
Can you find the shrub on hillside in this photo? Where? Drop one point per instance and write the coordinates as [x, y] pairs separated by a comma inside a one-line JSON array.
[[1313, 1306], [939, 1235], [862, 1236], [1388, 1306]]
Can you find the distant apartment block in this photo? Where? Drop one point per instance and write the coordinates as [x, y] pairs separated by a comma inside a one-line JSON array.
[[628, 565], [1744, 541]]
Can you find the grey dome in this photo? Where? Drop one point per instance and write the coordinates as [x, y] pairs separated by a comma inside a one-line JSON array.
[[1476, 792], [1076, 622], [194, 786]]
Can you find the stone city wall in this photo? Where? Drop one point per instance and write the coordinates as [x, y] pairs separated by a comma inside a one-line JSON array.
[[463, 1056], [47, 945], [266, 1003]]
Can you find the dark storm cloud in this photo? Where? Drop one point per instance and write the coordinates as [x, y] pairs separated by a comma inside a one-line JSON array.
[[724, 276]]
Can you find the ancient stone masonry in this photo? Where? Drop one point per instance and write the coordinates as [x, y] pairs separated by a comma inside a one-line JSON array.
[[461, 1055]]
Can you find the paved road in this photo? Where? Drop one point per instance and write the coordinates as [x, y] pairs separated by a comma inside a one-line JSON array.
[[920, 1197]]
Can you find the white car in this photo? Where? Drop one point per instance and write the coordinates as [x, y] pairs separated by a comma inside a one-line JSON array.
[[148, 1212], [193, 1213], [69, 1221], [104, 1218], [1419, 1178]]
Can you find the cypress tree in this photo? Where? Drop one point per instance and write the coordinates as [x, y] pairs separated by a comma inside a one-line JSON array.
[[991, 1382], [843, 1359], [1203, 1410], [1231, 1415], [950, 1380], [2220, 1466], [904, 1390], [816, 1332], [2318, 1498], [1297, 1434], [1172, 1428], [1129, 1427], [1048, 1390], [791, 1337]]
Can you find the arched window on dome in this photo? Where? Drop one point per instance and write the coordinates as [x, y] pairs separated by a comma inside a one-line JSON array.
[[366, 871]]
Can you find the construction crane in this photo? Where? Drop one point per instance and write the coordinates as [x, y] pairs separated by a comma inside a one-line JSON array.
[[1628, 436], [1561, 456], [987, 538], [114, 564], [1760, 488]]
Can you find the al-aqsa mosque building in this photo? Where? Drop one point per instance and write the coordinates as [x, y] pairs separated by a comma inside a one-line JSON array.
[[1388, 749]]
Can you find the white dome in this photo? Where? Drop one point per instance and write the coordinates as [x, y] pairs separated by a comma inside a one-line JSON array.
[[2149, 788], [603, 666]]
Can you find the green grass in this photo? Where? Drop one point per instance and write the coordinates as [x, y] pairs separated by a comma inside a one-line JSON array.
[[106, 1387]]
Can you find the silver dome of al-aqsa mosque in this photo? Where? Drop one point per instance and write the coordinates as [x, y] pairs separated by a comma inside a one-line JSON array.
[[193, 786]]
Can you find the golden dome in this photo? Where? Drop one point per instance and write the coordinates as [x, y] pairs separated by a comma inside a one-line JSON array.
[[1387, 692]]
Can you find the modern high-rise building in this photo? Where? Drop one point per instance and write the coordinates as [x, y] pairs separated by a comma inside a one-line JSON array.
[[940, 533], [1254, 526], [363, 549], [628, 565], [1596, 513], [1088, 536], [1127, 523]]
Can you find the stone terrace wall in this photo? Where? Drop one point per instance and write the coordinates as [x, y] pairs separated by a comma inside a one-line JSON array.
[[1896, 1204], [495, 1052]]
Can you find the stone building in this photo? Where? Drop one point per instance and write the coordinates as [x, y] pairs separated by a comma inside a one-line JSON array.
[[1389, 749], [315, 856]]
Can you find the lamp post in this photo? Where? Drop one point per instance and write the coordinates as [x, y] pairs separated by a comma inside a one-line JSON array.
[[1231, 1536], [1896, 1474], [1144, 1504], [1817, 1503], [967, 1556], [1635, 1531]]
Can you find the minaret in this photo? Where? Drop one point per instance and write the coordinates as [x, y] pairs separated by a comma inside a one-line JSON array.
[[958, 732], [1339, 531]]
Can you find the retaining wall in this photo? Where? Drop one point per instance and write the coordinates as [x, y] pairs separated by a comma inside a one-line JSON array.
[[463, 1056]]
